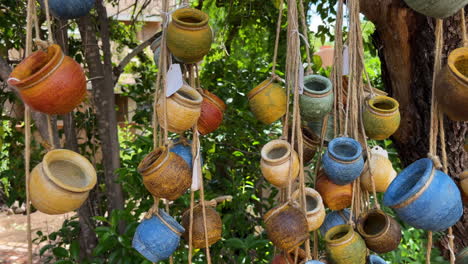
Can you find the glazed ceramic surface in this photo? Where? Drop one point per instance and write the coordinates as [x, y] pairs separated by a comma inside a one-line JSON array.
[[381, 233], [334, 218], [437, 8], [184, 150], [345, 246], [268, 102], [343, 161], [317, 99], [381, 117], [69, 9], [276, 162], [335, 197], [214, 226], [315, 210], [212, 111]]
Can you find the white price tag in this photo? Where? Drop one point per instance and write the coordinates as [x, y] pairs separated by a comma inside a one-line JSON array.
[[301, 78], [345, 60], [174, 80]]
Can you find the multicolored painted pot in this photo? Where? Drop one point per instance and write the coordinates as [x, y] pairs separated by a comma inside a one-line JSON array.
[[69, 9], [382, 171], [212, 111], [286, 227], [334, 218], [345, 246], [214, 226], [276, 162], [165, 174], [381, 117], [436, 8], [61, 182], [335, 197], [268, 102], [451, 88], [50, 82], [464, 182], [381, 233], [316, 127], [462, 257], [158, 237], [189, 36], [317, 99], [343, 161], [425, 197], [183, 109], [315, 210], [374, 259]]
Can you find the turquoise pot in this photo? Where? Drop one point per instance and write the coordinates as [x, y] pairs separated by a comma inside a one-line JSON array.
[[437, 8], [317, 99]]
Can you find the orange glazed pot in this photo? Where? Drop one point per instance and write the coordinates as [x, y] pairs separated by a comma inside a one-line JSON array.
[[212, 111], [335, 197], [50, 82], [214, 226]]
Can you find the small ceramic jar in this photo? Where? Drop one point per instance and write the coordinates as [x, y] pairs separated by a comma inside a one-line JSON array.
[[315, 210], [276, 162], [343, 161]]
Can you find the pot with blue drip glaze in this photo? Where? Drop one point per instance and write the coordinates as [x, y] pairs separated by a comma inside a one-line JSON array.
[[158, 237], [374, 259], [69, 9], [425, 197], [343, 161], [334, 218]]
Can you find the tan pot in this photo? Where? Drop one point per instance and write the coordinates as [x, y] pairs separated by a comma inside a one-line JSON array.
[[314, 205], [383, 173], [276, 162]]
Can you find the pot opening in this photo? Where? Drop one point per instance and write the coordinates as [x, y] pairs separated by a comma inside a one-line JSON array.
[[316, 86], [277, 152], [384, 105], [462, 66], [339, 235], [345, 150], [69, 173], [374, 223], [410, 183], [190, 19], [186, 95], [311, 203], [149, 160]]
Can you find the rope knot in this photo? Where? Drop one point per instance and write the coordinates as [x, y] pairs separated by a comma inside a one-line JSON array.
[[435, 160]]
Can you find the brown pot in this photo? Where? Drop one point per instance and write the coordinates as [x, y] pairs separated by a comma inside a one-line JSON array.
[[381, 232], [165, 174], [314, 205], [214, 226], [276, 161], [335, 197], [310, 144], [212, 111]]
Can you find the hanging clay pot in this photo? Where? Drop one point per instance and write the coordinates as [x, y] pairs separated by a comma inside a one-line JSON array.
[[316, 127], [183, 109], [335, 197], [462, 257], [334, 218], [189, 36], [464, 182], [50, 82], [314, 205], [382, 171], [158, 237], [345, 246], [276, 161], [61, 182], [183, 148], [374, 259], [214, 226], [268, 101], [289, 258], [317, 99], [451, 88], [381, 117], [381, 233], [286, 227], [310, 144], [436, 8], [343, 161], [69, 9], [212, 111], [165, 174], [425, 197]]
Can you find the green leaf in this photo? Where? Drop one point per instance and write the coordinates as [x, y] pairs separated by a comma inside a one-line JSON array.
[[60, 252]]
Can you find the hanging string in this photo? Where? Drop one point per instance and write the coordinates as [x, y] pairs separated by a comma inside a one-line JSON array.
[[337, 73], [278, 30], [305, 33], [49, 22], [463, 28]]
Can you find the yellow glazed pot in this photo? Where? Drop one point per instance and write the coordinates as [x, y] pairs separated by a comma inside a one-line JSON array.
[[276, 161], [268, 101], [381, 117], [314, 205], [451, 88], [189, 36], [381, 168], [183, 109], [345, 246], [61, 182]]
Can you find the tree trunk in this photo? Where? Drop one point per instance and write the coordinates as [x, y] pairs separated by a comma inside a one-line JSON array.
[[405, 42]]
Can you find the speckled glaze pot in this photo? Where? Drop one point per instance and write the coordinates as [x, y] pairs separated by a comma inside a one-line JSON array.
[[158, 237], [69, 9], [381, 117], [335, 197], [345, 246], [464, 182], [286, 227], [462, 257], [424, 197], [165, 174], [451, 88], [214, 226], [189, 36], [50, 82], [374, 259], [382, 171], [343, 161], [212, 111], [61, 182], [381, 233], [334, 218], [317, 99], [268, 101], [436, 8], [314, 205], [276, 161]]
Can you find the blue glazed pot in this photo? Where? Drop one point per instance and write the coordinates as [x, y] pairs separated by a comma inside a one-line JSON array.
[[343, 161], [334, 218], [374, 259], [69, 9], [424, 197], [158, 237], [184, 150]]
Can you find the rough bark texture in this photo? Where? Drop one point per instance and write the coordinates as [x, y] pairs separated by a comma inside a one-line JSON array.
[[405, 41]]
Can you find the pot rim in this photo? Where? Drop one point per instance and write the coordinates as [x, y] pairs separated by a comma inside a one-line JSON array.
[[319, 79], [311, 193], [365, 216], [271, 145], [153, 160], [455, 56], [192, 103], [257, 89], [370, 103], [192, 12], [344, 141], [214, 99], [338, 229], [77, 160], [170, 222]]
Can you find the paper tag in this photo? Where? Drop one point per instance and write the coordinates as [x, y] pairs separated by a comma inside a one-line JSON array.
[[345, 60], [174, 79], [301, 78]]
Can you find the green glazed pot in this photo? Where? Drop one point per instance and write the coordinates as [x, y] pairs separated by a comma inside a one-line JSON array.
[[317, 99], [345, 246], [437, 8], [381, 117]]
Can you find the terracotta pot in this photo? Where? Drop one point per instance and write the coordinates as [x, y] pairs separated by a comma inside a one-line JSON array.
[[345, 246], [165, 174], [317, 99], [286, 227], [451, 88], [212, 111], [343, 161], [314, 205], [214, 226], [335, 218], [183, 109], [381, 117], [382, 171], [335, 197], [464, 182], [268, 102], [462, 257], [310, 144], [50, 82], [381, 233], [276, 162], [436, 8], [189, 36], [61, 182], [69, 9]]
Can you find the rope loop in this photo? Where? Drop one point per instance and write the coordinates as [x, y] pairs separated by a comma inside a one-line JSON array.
[[435, 160]]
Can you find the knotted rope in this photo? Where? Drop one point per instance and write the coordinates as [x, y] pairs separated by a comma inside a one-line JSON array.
[[337, 73]]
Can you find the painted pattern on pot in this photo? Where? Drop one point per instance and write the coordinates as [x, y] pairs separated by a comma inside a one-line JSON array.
[[212, 111], [268, 101], [381, 233], [343, 161], [317, 99], [382, 171], [69, 9], [334, 218], [335, 197], [381, 117], [315, 211], [276, 162], [345, 246], [425, 197], [437, 8], [214, 226]]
